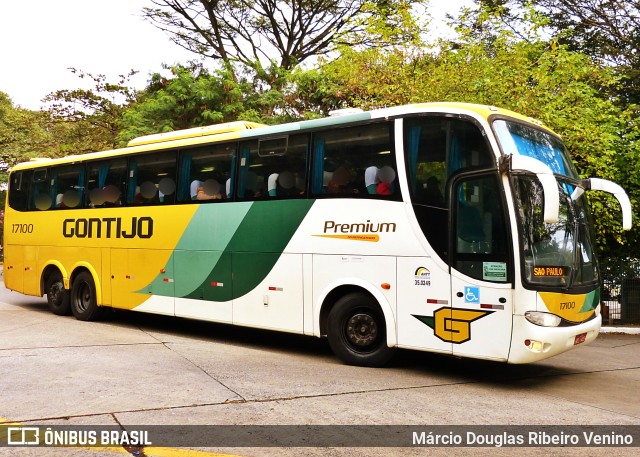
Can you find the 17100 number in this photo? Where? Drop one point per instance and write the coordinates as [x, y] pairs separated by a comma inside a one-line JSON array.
[[22, 228]]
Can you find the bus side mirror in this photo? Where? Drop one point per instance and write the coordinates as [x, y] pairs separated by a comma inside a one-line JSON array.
[[618, 192], [546, 178]]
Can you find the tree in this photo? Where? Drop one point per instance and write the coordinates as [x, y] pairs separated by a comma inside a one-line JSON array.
[[253, 32], [607, 30], [90, 116], [259, 46], [23, 134], [192, 97]]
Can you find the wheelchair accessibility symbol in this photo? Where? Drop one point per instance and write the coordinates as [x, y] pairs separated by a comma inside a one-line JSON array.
[[471, 294]]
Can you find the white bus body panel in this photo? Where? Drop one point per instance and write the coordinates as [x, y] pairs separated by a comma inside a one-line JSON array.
[[276, 303], [423, 288], [366, 272]]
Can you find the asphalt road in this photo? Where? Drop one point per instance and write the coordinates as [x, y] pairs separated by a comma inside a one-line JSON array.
[[134, 369]]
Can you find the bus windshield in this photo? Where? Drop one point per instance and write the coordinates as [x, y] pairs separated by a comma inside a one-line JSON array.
[[556, 254], [520, 139]]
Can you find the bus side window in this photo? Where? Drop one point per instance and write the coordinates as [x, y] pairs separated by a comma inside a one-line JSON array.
[[273, 168], [68, 186], [206, 173], [106, 183], [467, 148], [436, 148], [151, 179], [425, 144], [40, 197], [355, 162], [19, 190]]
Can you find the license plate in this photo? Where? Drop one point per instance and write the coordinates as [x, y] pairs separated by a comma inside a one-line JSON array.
[[580, 338]]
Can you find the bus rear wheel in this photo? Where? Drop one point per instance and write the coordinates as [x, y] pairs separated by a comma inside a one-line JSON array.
[[357, 331], [83, 297], [57, 295]]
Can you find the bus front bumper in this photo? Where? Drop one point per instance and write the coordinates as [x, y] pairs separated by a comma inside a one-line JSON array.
[[530, 342]]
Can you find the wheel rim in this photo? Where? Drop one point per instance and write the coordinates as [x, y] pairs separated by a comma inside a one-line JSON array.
[[362, 331], [83, 299]]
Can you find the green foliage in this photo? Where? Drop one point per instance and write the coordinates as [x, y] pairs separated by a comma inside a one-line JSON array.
[[385, 24], [23, 134], [89, 117], [606, 30], [192, 96]]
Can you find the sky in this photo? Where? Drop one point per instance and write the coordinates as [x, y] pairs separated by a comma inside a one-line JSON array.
[[41, 39]]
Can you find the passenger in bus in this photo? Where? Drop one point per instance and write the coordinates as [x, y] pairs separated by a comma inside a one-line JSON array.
[[379, 181], [195, 185], [147, 192], [272, 185], [112, 196], [339, 183], [284, 184], [387, 177], [371, 180], [432, 195], [383, 188], [208, 190], [59, 202], [166, 190]]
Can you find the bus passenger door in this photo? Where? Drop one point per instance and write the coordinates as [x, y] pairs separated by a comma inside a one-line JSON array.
[[480, 319]]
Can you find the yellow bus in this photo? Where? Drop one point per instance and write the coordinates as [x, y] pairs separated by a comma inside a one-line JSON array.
[[455, 228]]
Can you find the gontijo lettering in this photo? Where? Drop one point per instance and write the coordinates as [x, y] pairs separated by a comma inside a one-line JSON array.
[[108, 227]]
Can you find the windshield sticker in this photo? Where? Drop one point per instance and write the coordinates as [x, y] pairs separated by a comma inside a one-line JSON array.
[[494, 271]]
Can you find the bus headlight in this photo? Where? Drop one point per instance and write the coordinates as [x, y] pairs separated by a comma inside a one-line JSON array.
[[542, 319]]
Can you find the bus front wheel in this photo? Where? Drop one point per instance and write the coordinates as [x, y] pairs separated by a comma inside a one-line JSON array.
[[83, 297], [57, 296], [356, 331]]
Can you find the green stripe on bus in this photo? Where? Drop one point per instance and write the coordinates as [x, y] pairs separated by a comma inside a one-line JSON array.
[[256, 245], [200, 247], [246, 239], [591, 301]]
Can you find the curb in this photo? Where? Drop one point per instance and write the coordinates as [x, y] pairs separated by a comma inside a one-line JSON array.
[[624, 330]]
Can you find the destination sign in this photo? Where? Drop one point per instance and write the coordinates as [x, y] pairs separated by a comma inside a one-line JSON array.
[[550, 272]]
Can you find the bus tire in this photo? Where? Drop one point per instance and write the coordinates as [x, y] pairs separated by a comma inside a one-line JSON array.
[[57, 295], [356, 331], [83, 297]]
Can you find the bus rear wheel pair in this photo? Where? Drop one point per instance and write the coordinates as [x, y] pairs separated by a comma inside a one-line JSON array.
[[79, 301], [357, 331]]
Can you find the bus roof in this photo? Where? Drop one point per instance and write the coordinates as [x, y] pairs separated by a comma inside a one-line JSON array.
[[209, 130], [230, 131]]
